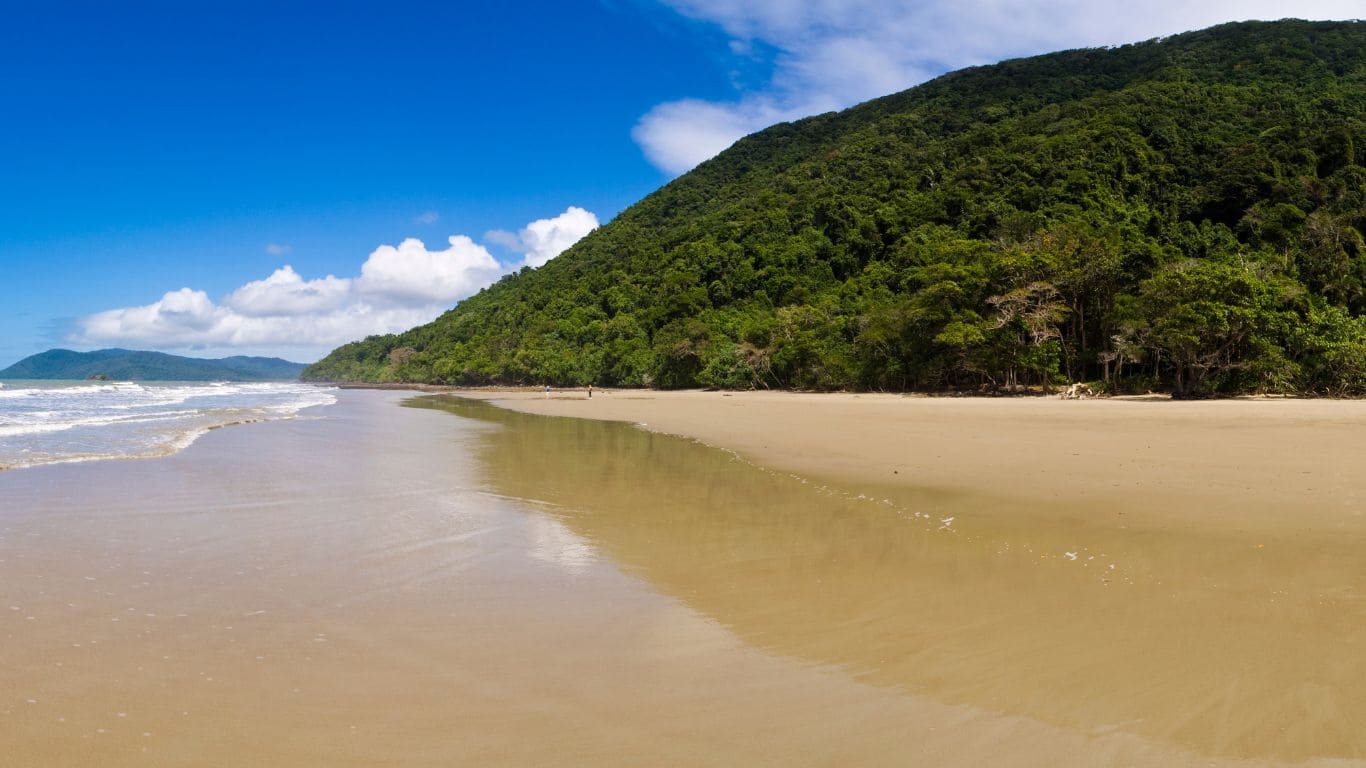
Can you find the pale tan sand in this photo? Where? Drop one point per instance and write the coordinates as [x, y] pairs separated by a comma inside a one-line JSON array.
[[352, 590], [403, 586], [1187, 572], [1275, 463]]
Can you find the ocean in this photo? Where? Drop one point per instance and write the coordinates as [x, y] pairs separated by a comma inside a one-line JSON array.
[[48, 422]]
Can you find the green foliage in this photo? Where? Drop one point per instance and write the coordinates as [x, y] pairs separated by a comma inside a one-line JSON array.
[[1332, 346], [1184, 213], [1220, 326]]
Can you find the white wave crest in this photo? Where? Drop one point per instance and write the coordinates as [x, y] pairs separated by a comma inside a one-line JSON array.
[[63, 422]]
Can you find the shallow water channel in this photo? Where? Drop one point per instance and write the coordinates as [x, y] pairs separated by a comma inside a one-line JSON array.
[[1222, 643]]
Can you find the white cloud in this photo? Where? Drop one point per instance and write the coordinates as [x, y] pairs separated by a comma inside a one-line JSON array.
[[278, 249], [427, 217], [285, 292], [678, 135], [411, 273], [505, 240], [188, 320], [177, 316], [832, 54], [544, 239], [284, 314]]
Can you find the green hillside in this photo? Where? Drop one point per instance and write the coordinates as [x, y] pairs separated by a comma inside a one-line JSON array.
[[1184, 213], [131, 365]]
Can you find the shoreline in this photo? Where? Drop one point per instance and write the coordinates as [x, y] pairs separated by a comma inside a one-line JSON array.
[[1082, 564], [165, 611], [1242, 462], [652, 582], [1033, 394]]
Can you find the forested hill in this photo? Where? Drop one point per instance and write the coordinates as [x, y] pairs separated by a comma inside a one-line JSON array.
[[1184, 213], [132, 365]]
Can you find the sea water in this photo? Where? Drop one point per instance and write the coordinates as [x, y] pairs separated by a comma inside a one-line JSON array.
[[46, 422]]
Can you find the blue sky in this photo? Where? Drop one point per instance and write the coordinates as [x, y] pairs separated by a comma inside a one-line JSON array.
[[162, 163]]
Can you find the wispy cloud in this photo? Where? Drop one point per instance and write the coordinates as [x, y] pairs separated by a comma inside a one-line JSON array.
[[427, 217], [278, 249], [397, 288], [832, 54]]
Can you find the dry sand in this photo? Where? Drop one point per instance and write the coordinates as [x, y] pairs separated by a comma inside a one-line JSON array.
[[1274, 463]]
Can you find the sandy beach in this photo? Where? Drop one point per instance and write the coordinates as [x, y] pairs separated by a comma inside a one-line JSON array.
[[454, 583], [1204, 463], [1186, 571]]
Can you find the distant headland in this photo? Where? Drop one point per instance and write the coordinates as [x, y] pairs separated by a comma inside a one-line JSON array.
[[134, 365]]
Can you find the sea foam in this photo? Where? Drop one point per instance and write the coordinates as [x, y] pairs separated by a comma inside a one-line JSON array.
[[57, 422]]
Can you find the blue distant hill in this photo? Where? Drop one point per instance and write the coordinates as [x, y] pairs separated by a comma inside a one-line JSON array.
[[133, 365]]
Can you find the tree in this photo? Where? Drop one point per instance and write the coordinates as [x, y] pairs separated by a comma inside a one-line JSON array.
[[1030, 316], [1210, 320]]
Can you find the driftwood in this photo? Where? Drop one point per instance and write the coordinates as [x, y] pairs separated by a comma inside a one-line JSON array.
[[1077, 391]]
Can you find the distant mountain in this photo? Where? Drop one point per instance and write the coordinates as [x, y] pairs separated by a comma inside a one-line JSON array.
[[1183, 214], [132, 365]]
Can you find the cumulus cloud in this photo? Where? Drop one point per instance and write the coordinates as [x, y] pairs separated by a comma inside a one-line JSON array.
[[188, 320], [832, 54], [285, 314], [544, 239], [286, 293], [179, 315], [411, 272]]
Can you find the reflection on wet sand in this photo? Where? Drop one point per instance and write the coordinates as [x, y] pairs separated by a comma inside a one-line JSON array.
[[374, 588], [1221, 643], [347, 591]]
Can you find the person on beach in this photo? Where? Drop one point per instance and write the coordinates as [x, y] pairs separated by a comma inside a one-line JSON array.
[[590, 391], [547, 391]]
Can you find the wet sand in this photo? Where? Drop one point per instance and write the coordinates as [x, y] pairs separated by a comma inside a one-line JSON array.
[[1187, 572], [451, 583]]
